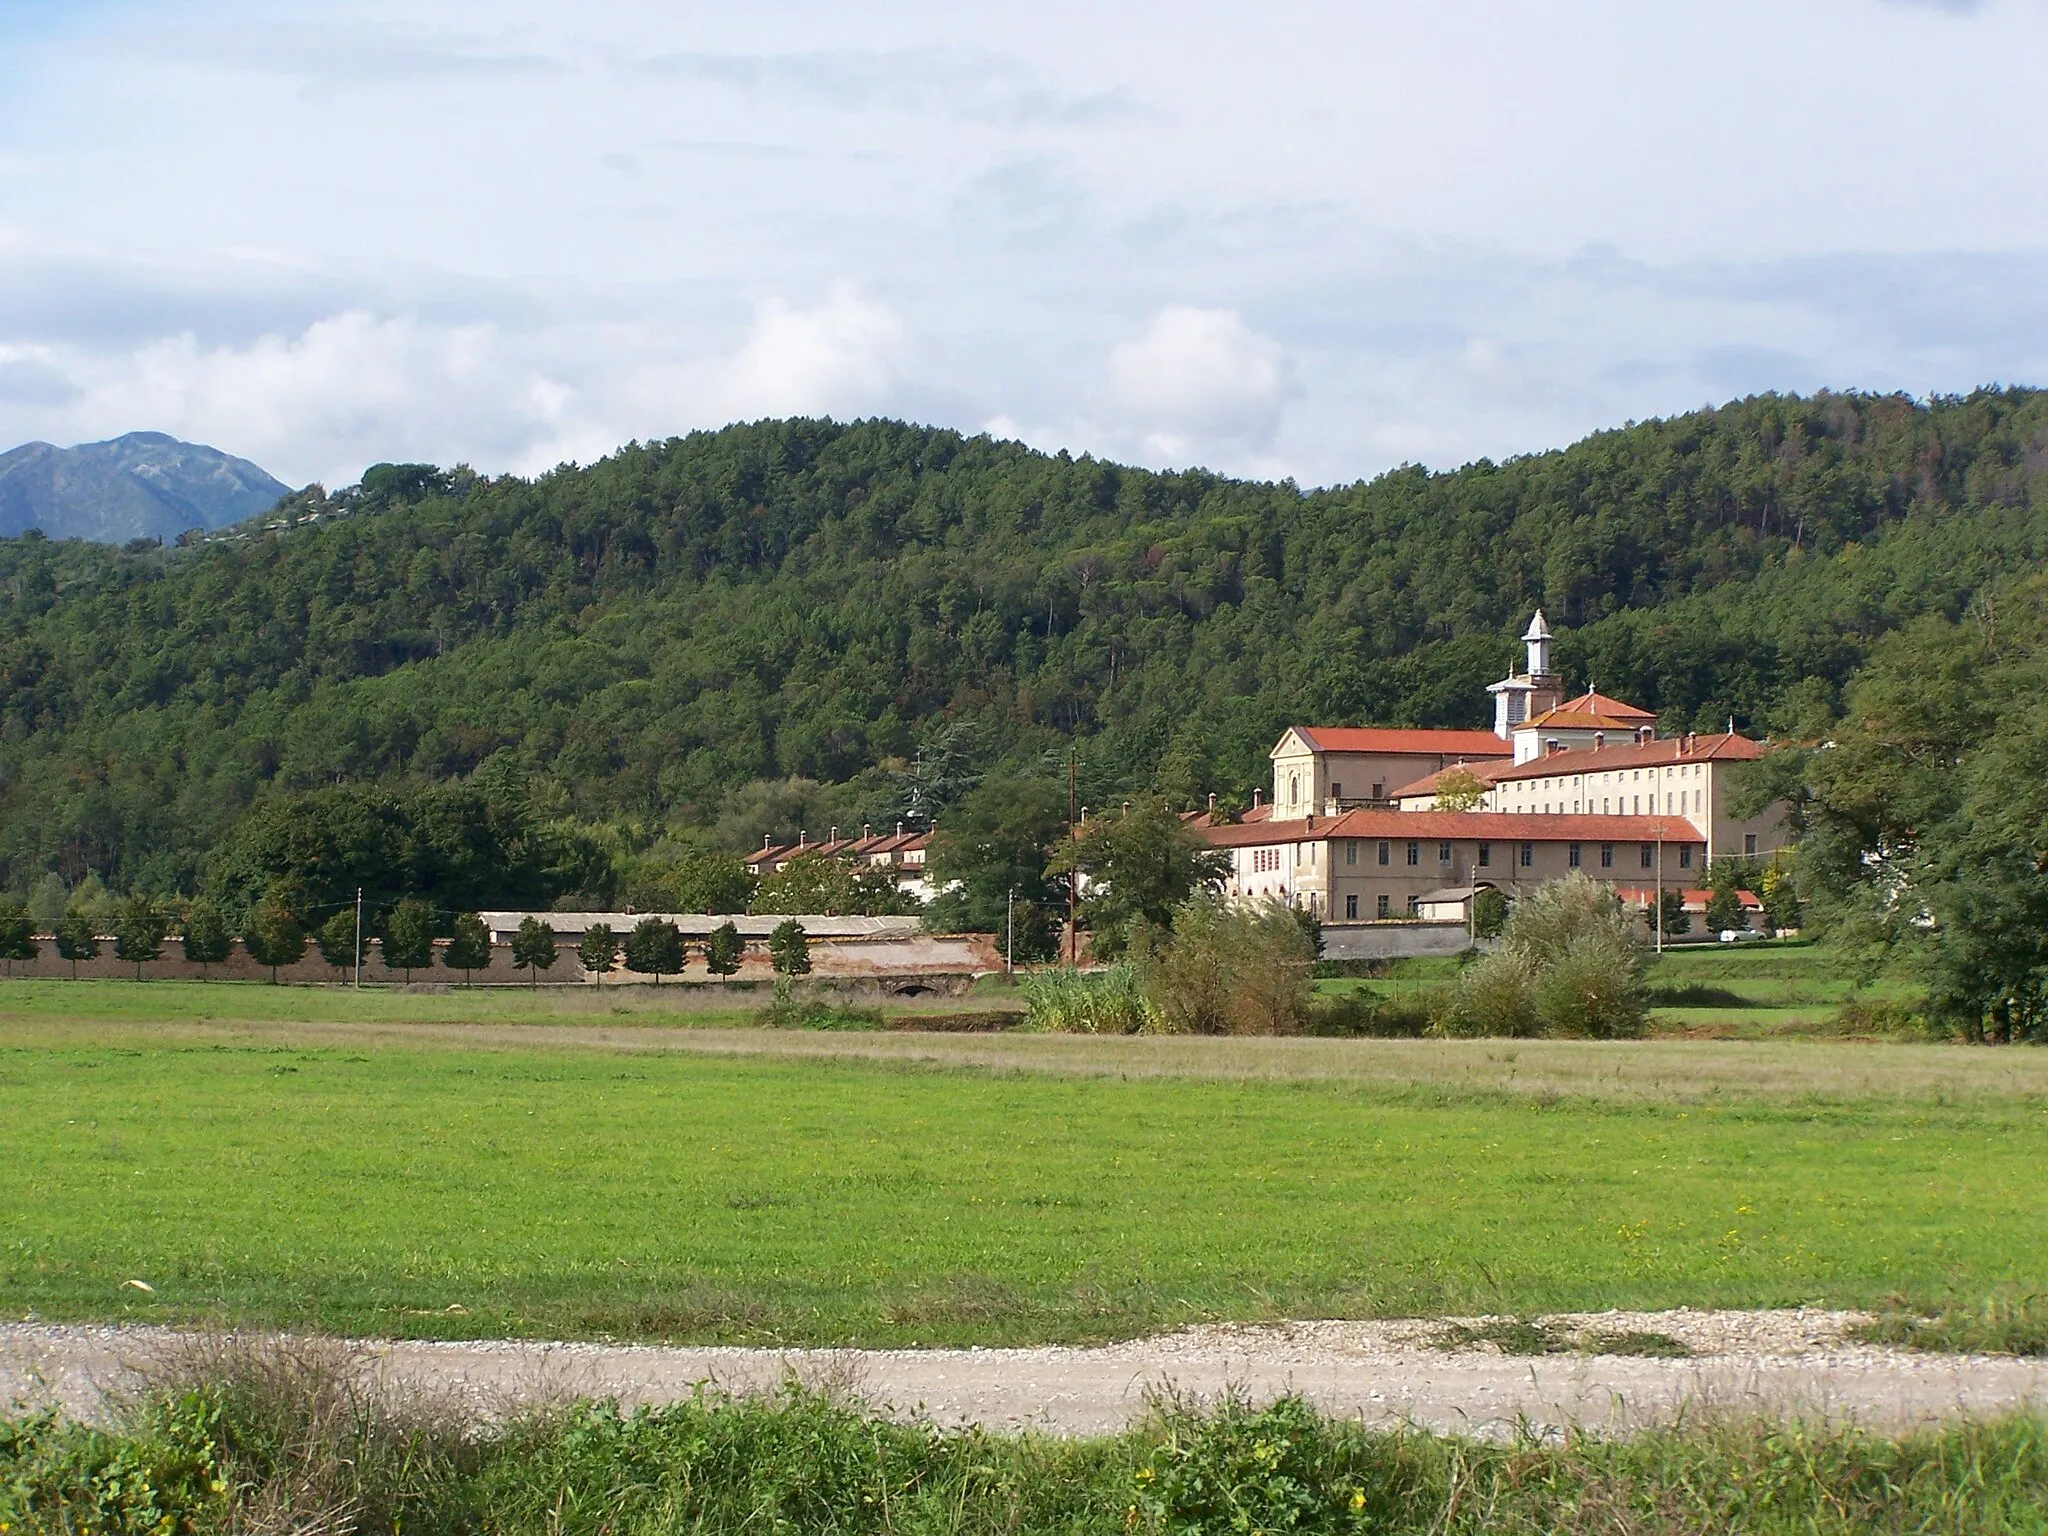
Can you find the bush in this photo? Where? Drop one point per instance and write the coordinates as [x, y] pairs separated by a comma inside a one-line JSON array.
[[1362, 1015], [816, 1014], [1497, 996], [1227, 970], [1593, 990], [1569, 963], [1104, 1002]]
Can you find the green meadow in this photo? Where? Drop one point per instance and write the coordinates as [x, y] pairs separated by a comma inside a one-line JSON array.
[[287, 1162]]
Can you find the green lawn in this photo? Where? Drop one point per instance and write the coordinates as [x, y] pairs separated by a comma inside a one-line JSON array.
[[383, 1180]]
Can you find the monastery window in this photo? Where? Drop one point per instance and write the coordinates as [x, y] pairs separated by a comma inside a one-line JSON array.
[[1685, 856], [1443, 853], [1749, 843], [1351, 907], [1573, 859], [1528, 855], [1379, 789], [1383, 904], [1336, 790], [1485, 855], [1603, 807], [1414, 853], [1414, 906], [1383, 852], [1607, 855], [1649, 856], [1351, 851]]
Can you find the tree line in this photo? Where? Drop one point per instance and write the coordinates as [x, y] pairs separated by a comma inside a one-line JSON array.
[[274, 938]]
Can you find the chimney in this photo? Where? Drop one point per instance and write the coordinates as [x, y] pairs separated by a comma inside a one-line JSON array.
[[867, 830], [1258, 795], [1599, 740], [1550, 747], [800, 838], [1212, 802], [899, 829], [835, 835]]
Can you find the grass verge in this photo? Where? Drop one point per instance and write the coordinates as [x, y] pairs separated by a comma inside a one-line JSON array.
[[297, 1443], [1996, 1325]]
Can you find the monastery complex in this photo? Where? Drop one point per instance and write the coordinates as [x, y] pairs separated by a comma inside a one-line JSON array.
[[1359, 828]]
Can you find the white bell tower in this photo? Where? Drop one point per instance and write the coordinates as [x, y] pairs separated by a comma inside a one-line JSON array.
[[1522, 696]]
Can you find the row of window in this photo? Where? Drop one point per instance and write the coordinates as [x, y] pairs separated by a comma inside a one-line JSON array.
[[1385, 908], [1525, 854]]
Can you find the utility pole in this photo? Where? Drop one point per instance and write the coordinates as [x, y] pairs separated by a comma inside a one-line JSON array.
[[359, 938], [1010, 935], [1660, 887], [1073, 854]]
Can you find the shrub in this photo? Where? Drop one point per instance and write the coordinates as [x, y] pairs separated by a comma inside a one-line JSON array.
[[1104, 1002], [1227, 970], [1594, 989], [817, 1014], [1357, 1015], [1497, 996], [1489, 913]]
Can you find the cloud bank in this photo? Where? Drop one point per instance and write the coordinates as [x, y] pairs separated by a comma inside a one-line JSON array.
[[1318, 241]]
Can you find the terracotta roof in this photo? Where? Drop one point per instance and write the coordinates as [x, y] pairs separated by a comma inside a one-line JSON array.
[[1450, 826], [1485, 773], [1400, 741], [1723, 748], [1589, 707], [1694, 899]]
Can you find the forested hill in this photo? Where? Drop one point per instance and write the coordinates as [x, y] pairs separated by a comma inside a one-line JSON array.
[[652, 637]]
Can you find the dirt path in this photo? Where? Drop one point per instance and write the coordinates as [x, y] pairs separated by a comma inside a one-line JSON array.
[[1794, 1362]]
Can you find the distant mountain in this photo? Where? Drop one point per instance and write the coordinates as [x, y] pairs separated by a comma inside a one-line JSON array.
[[143, 485]]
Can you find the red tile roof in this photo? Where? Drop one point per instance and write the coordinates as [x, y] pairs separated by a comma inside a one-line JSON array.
[[1400, 742], [1452, 826], [1590, 707], [1723, 748], [1485, 773]]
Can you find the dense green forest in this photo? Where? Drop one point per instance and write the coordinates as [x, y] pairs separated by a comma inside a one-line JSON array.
[[801, 622]]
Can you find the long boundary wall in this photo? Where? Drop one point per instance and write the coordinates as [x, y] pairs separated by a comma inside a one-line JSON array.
[[902, 959]]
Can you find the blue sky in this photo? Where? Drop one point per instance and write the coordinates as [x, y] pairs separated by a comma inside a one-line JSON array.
[[1308, 239]]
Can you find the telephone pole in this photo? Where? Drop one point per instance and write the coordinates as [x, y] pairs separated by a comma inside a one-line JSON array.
[[1010, 935], [359, 938], [1073, 854]]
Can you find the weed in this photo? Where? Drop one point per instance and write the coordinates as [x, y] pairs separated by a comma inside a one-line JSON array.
[[1996, 1325]]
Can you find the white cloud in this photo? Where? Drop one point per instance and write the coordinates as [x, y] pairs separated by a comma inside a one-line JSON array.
[[839, 358], [1198, 377], [1327, 237]]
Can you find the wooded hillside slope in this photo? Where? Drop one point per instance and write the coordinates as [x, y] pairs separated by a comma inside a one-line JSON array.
[[658, 641]]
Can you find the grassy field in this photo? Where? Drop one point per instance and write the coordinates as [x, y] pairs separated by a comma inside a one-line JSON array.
[[606, 1176]]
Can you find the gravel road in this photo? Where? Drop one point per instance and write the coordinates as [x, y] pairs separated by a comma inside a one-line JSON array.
[[1781, 1363]]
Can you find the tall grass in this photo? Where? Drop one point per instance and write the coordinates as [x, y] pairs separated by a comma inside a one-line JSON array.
[[300, 1444], [1110, 1001]]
